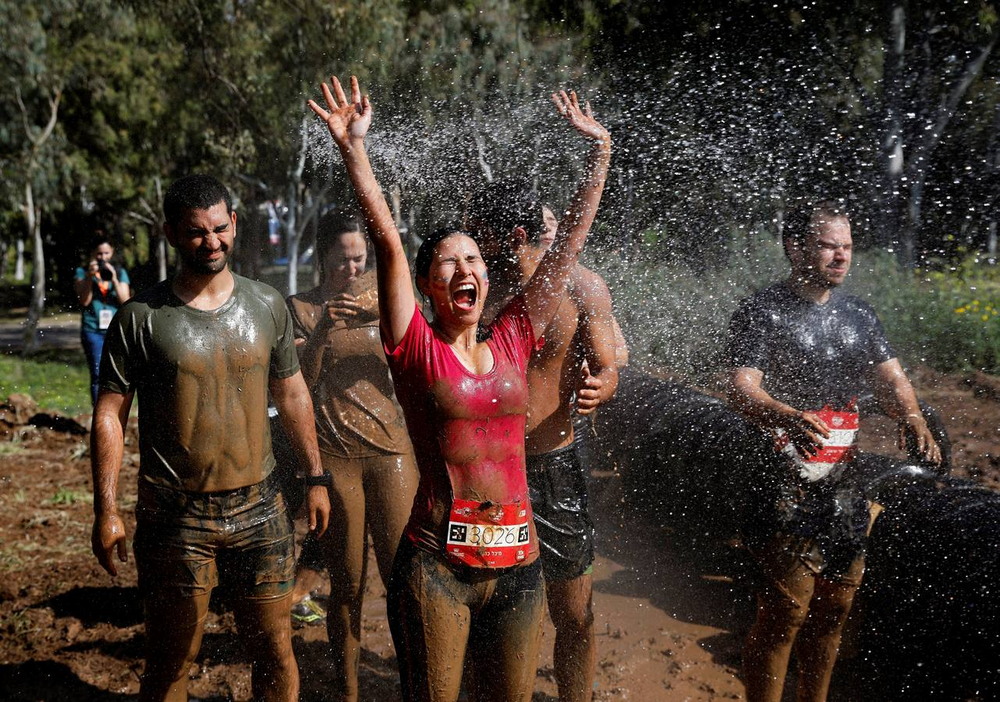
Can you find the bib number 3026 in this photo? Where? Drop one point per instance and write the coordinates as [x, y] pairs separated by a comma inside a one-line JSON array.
[[489, 535]]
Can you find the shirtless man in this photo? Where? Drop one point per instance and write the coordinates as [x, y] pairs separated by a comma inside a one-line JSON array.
[[801, 352], [202, 350], [578, 357]]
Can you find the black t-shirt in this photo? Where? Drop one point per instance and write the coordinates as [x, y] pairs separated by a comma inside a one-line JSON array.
[[811, 354]]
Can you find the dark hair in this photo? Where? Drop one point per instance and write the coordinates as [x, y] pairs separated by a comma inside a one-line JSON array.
[[98, 239], [194, 192], [505, 204], [800, 215], [425, 254], [331, 225]]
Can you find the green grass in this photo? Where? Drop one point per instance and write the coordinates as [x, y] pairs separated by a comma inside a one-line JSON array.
[[57, 379]]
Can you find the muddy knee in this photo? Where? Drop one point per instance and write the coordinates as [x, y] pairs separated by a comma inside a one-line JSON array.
[[779, 617]]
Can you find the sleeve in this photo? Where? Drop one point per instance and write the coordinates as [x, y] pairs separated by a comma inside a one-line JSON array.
[[513, 327], [299, 330], [411, 347], [79, 274], [284, 358], [123, 276], [118, 360], [879, 348], [746, 342]]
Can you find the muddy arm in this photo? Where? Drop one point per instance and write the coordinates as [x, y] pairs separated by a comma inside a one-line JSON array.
[[107, 445], [747, 396], [348, 122], [598, 343], [295, 408], [546, 288]]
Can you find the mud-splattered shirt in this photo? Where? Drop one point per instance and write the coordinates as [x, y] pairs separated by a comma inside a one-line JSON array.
[[467, 429], [202, 383], [811, 354], [356, 411]]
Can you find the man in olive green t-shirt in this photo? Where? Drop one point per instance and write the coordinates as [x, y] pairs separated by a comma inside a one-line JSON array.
[[202, 350]]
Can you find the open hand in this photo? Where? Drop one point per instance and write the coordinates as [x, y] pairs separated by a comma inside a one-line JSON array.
[[582, 119], [806, 431], [347, 120]]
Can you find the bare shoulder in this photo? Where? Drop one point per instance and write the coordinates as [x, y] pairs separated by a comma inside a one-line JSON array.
[[587, 287]]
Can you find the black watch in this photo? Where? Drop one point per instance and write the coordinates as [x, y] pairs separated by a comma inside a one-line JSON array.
[[324, 479]]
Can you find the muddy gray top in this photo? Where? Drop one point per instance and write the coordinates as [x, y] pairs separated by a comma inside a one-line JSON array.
[[202, 383], [811, 354]]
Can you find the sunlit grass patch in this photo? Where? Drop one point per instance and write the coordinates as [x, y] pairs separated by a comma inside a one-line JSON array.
[[65, 496], [57, 379]]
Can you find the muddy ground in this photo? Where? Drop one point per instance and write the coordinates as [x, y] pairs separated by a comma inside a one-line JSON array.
[[669, 623]]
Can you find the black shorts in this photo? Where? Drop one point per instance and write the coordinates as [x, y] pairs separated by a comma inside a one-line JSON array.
[[191, 541], [825, 523], [557, 486]]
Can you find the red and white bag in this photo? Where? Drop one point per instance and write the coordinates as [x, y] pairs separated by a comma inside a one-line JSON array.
[[836, 451]]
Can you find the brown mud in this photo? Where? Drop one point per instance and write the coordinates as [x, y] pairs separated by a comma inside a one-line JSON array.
[[669, 622]]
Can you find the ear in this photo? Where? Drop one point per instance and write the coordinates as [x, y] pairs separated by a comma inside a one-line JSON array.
[[170, 234], [519, 236], [233, 215], [422, 285]]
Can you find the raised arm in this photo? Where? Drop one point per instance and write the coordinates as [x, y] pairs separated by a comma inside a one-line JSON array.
[[348, 122], [547, 286]]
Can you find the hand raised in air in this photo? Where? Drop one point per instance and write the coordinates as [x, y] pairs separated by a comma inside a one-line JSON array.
[[582, 119], [347, 120]]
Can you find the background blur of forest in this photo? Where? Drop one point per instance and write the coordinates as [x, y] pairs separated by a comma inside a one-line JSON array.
[[720, 112]]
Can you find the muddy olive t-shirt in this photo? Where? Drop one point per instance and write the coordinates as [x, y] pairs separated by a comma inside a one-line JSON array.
[[202, 383]]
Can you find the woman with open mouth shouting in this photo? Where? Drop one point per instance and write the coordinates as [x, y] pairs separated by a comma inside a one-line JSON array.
[[466, 586]]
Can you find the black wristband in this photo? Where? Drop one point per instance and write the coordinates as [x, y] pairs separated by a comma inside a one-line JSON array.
[[324, 479]]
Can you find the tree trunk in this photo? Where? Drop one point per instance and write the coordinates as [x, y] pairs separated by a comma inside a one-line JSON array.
[[890, 190], [19, 259], [36, 306]]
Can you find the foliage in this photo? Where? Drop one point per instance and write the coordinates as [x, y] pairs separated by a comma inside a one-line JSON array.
[[719, 110], [947, 318]]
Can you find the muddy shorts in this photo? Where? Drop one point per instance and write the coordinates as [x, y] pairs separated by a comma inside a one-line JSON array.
[[557, 487], [188, 541]]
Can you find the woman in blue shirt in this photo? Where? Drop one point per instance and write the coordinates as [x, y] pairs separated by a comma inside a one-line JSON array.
[[101, 288]]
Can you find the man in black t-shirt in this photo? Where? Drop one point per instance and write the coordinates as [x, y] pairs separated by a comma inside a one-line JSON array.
[[801, 353]]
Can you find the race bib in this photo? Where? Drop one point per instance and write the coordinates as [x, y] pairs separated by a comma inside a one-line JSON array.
[[487, 535], [104, 316], [835, 451]]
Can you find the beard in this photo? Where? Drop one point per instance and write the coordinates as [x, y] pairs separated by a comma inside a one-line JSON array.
[[194, 263]]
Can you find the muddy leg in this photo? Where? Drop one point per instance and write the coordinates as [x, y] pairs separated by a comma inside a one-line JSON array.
[[266, 630], [429, 618], [174, 627], [390, 485], [782, 607], [502, 658], [819, 640], [345, 546], [575, 656]]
